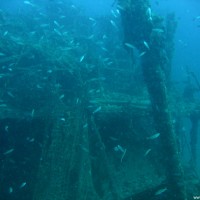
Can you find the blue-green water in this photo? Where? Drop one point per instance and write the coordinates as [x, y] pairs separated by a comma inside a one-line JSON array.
[[74, 103]]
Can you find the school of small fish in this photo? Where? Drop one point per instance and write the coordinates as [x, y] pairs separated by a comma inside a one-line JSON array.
[[50, 32]]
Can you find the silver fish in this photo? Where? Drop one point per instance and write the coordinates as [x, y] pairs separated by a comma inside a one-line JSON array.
[[149, 14], [142, 54], [147, 152], [97, 110], [129, 45], [92, 19], [56, 23], [113, 23], [85, 125], [22, 185], [152, 137], [2, 54], [159, 192], [57, 32], [8, 152], [32, 113], [5, 33], [82, 58], [146, 45], [61, 96], [158, 30], [29, 3], [10, 190]]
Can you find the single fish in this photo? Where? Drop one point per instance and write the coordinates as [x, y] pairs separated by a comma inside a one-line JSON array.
[[85, 125], [38, 86], [56, 23], [105, 36], [98, 91], [11, 64], [44, 25], [62, 17], [123, 154], [91, 36], [142, 54], [146, 45], [129, 45], [82, 58], [149, 14], [10, 94], [22, 185], [84, 149], [5, 33], [49, 71], [29, 3], [109, 63], [62, 119], [73, 6], [120, 7], [77, 100], [32, 113], [147, 152], [6, 128], [158, 30], [8, 152], [159, 192], [2, 54], [117, 11], [30, 139], [113, 13], [91, 91], [61, 96], [113, 138], [197, 18], [57, 32], [119, 148], [113, 23], [104, 49], [97, 110], [97, 79], [92, 19], [10, 190], [3, 105], [106, 59], [153, 136]]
